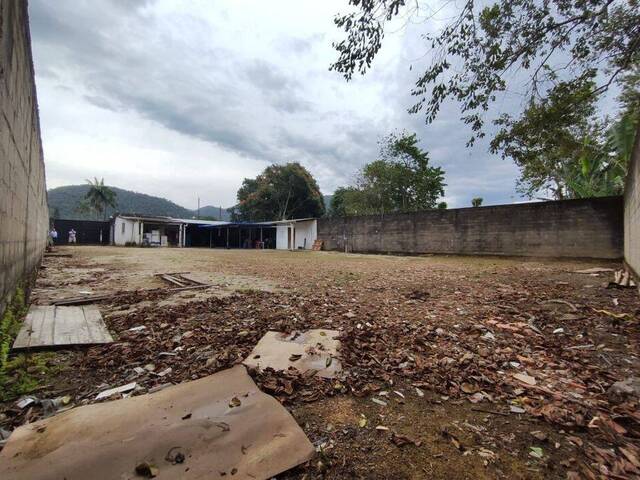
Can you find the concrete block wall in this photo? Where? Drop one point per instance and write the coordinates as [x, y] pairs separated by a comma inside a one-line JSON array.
[[588, 228], [23, 196], [632, 211]]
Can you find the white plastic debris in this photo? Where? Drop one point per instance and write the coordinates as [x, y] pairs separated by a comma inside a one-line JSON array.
[[137, 329], [112, 391], [379, 402], [24, 402]]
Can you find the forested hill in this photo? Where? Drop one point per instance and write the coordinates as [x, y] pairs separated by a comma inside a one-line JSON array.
[[64, 203]]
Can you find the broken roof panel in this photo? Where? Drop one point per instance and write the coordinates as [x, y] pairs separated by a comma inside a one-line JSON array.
[[218, 425], [311, 350]]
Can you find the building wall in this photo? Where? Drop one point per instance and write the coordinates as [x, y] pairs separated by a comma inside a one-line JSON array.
[[282, 239], [571, 228], [306, 233], [24, 215], [632, 211], [126, 230], [87, 231]]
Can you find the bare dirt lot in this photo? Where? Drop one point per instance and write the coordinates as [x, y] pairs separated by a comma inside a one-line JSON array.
[[455, 367]]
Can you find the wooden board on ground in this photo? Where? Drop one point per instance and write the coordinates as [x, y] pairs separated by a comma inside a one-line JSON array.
[[220, 426], [52, 326]]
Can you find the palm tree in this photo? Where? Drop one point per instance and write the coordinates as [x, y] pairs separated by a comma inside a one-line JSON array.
[[98, 198]]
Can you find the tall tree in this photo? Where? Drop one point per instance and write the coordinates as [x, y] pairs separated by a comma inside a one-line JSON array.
[[475, 54], [563, 148], [401, 180], [548, 139], [98, 198], [280, 192]]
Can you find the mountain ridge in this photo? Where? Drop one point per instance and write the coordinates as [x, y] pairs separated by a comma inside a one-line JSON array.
[[64, 203]]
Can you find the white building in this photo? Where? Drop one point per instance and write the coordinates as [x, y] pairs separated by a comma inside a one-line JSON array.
[[153, 230], [296, 234]]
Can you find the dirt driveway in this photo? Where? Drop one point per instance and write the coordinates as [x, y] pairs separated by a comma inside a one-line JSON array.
[[456, 367]]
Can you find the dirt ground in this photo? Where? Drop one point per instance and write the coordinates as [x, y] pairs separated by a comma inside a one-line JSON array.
[[480, 367]]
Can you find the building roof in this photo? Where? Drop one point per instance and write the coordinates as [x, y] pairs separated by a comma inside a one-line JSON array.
[[293, 220], [165, 219], [207, 223]]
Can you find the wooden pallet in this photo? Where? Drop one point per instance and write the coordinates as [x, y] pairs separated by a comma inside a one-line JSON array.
[[317, 245]]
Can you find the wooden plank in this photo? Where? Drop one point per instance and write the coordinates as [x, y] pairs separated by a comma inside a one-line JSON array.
[[43, 328], [81, 300], [67, 324], [97, 330], [95, 298], [24, 335], [54, 326], [173, 280]]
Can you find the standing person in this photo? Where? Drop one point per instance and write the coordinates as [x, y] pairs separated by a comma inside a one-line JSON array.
[[72, 236], [53, 235]]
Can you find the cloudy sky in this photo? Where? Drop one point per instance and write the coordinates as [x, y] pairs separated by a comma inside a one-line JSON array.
[[184, 98]]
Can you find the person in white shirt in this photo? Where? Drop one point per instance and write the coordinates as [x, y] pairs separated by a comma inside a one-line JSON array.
[[53, 235], [72, 236]]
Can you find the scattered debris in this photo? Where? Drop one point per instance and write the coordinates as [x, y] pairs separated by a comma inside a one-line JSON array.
[[401, 440], [99, 298], [622, 279], [594, 270], [536, 452], [139, 328], [179, 279], [524, 378], [461, 345], [147, 470], [112, 391], [563, 302], [24, 402]]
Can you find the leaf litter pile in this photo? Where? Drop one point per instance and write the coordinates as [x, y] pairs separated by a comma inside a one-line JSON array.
[[543, 360]]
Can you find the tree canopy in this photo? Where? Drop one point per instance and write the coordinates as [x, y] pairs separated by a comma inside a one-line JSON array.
[[563, 148], [482, 46], [401, 180], [569, 52], [280, 192]]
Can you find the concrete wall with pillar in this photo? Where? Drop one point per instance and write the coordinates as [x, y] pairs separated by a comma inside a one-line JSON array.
[[24, 213], [632, 211]]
